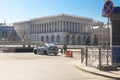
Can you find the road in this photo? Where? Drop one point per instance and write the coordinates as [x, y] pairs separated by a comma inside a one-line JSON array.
[[28, 66]]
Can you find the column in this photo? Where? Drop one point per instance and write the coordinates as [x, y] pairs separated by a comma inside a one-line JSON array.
[[72, 24], [81, 27], [74, 27], [60, 26], [40, 27], [65, 26], [57, 26], [37, 28], [44, 27], [51, 26], [69, 26], [78, 27], [84, 27], [31, 29], [47, 28]]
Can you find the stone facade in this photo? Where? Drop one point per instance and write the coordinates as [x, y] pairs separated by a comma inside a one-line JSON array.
[[59, 29]]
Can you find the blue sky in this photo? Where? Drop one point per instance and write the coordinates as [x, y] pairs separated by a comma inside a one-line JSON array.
[[21, 10]]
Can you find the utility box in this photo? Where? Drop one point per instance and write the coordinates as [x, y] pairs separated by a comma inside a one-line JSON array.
[[115, 36]]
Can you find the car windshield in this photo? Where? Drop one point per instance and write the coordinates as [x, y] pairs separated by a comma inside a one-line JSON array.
[[50, 45]]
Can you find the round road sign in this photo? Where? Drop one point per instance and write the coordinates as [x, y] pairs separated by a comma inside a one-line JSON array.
[[108, 8]]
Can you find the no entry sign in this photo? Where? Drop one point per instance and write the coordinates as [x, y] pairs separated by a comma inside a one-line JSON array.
[[108, 8]]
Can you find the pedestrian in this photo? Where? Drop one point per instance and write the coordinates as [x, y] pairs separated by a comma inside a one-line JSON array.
[[61, 50], [65, 48]]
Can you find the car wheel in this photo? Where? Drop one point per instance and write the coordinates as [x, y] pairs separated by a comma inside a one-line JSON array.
[[45, 52], [55, 54], [35, 52]]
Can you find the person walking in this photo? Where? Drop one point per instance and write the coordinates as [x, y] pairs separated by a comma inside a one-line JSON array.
[[61, 50], [65, 48]]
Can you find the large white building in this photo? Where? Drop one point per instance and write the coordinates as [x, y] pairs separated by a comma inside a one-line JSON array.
[[59, 29]]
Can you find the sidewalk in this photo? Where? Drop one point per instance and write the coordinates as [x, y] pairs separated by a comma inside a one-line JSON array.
[[109, 74]]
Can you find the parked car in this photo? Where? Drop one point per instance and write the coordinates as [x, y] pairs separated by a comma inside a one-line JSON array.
[[46, 49]]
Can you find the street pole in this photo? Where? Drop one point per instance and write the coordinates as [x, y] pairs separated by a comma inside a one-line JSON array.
[[100, 58], [86, 56], [108, 42]]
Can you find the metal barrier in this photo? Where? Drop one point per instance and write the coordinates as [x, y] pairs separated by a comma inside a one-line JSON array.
[[95, 56]]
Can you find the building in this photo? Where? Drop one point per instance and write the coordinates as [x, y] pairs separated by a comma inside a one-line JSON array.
[[102, 33], [7, 33], [59, 29]]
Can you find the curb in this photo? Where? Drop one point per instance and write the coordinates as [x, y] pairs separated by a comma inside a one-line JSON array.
[[96, 72]]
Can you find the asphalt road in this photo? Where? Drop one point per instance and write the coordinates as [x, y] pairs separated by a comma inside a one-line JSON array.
[[28, 66]]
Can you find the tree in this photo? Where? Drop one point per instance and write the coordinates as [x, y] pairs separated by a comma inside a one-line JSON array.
[[95, 42]]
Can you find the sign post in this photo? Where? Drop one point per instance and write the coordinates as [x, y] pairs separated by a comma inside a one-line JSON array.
[[107, 11]]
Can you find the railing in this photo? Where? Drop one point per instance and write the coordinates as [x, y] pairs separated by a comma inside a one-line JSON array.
[[95, 57]]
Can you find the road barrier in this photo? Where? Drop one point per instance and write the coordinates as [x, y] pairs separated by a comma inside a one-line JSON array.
[[69, 53]]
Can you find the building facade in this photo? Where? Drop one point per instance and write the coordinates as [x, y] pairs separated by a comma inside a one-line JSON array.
[[59, 29]]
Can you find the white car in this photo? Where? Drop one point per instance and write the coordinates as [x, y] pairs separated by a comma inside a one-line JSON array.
[[46, 49]]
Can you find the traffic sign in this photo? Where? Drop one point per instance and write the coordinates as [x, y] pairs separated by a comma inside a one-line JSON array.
[[108, 8]]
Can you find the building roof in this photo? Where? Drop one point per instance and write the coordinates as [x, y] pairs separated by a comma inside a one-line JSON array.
[[62, 15]]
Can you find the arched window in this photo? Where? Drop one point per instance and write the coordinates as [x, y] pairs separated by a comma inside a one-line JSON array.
[[47, 39], [79, 38], [52, 38], [58, 39], [67, 39], [42, 38], [84, 39], [73, 39]]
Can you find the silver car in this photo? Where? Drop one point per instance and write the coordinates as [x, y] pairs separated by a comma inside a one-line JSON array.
[[46, 49]]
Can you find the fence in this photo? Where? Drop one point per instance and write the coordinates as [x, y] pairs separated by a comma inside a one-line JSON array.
[[95, 56]]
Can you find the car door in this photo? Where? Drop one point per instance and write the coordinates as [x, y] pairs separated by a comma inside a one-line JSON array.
[[40, 49]]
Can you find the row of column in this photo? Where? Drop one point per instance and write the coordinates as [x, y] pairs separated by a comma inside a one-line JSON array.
[[60, 26]]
